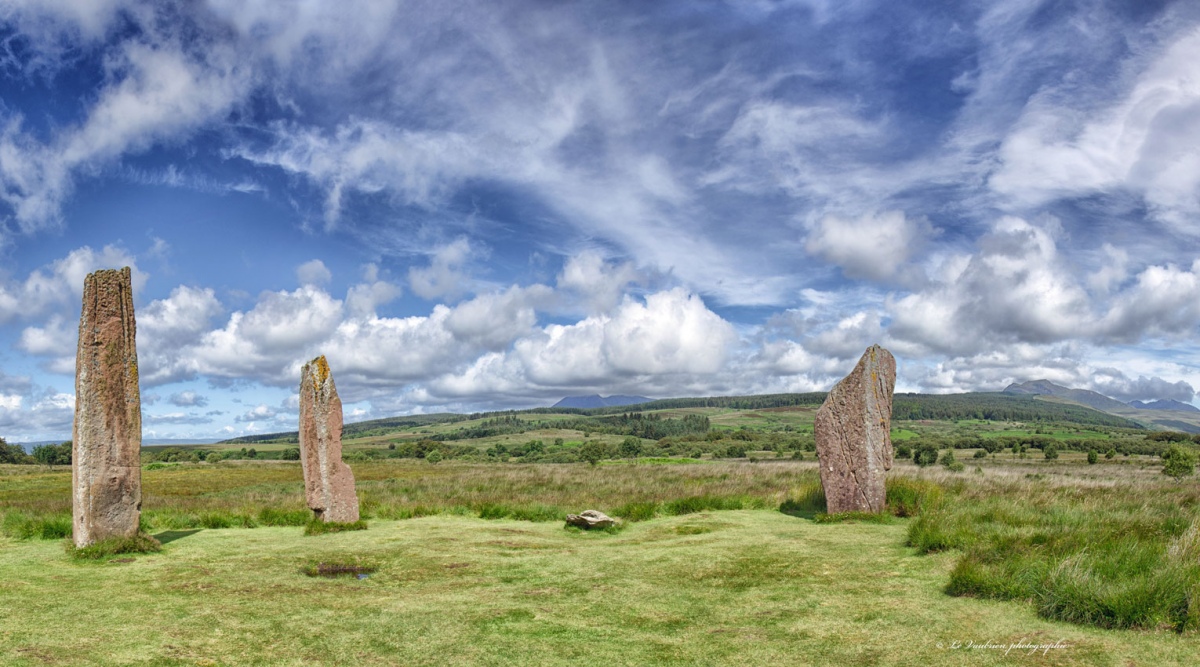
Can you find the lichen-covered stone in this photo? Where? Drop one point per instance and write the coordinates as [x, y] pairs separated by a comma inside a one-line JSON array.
[[106, 472], [328, 482], [853, 433], [589, 519]]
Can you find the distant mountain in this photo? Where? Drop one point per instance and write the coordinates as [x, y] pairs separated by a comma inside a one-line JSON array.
[[1165, 404], [598, 401], [1083, 396]]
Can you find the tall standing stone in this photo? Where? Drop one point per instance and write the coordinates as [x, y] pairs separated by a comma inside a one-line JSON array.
[[106, 472], [853, 432], [328, 482]]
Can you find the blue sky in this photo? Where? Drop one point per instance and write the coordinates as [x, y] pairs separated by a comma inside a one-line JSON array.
[[489, 205]]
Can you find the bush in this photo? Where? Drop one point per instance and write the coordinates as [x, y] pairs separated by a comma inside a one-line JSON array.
[[1050, 452], [1178, 462], [292, 454], [631, 448], [948, 459], [591, 452], [1110, 454], [955, 466], [1093, 457], [434, 456], [903, 452], [925, 454], [980, 454]]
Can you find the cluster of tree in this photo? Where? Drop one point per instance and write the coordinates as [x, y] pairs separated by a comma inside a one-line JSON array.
[[14, 454], [178, 455], [998, 407], [48, 454], [53, 455]]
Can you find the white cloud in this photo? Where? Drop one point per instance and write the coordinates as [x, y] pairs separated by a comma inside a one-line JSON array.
[[313, 272], [873, 246], [1015, 289], [1146, 142], [187, 399], [444, 276], [61, 282], [158, 94], [598, 282]]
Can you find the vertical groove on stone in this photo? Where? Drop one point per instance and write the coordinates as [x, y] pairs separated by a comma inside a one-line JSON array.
[[853, 433], [328, 481], [106, 473]]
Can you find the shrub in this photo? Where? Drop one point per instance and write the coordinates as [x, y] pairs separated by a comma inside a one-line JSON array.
[[948, 459], [981, 454], [1110, 454], [955, 466], [292, 454], [903, 452], [434, 456], [925, 454], [591, 452], [1050, 452], [1178, 462], [1093, 457], [631, 447]]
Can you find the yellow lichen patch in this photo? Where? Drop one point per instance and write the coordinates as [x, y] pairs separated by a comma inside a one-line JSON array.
[[320, 371]]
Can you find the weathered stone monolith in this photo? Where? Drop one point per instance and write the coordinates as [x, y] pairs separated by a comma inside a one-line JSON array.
[[106, 472], [328, 482], [853, 432]]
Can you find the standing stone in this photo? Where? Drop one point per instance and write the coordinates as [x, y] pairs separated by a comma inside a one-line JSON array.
[[853, 432], [106, 471], [328, 482]]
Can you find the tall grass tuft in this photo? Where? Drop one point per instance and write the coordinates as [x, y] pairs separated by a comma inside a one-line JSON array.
[[318, 527], [21, 526], [1112, 558], [114, 546]]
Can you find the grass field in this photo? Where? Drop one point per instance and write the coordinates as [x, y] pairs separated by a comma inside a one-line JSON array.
[[474, 567], [737, 588]]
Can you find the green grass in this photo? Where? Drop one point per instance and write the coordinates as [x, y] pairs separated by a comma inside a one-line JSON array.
[[114, 546], [232, 495], [739, 587], [318, 527], [1112, 556]]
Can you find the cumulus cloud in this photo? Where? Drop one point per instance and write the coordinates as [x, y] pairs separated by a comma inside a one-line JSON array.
[[1015, 289], [258, 413], [598, 282], [1113, 382], [187, 399], [313, 272], [444, 277], [873, 246], [60, 283]]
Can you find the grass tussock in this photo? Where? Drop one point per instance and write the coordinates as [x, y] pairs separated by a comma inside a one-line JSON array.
[[21, 526], [140, 543], [1113, 558], [318, 527]]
